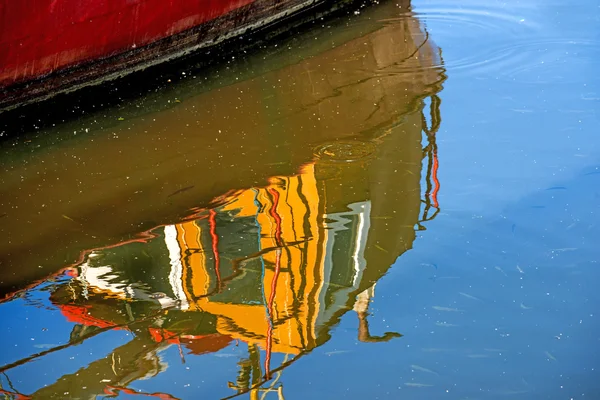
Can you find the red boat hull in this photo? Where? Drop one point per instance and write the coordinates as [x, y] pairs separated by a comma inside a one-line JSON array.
[[42, 36], [51, 46]]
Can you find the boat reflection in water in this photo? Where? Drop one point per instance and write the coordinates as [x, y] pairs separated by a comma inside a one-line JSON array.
[[272, 268]]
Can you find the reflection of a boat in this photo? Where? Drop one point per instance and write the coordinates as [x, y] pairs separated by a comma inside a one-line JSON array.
[[152, 169], [274, 263], [275, 267]]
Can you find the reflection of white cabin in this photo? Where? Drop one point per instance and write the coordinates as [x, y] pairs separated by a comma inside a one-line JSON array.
[[357, 221]]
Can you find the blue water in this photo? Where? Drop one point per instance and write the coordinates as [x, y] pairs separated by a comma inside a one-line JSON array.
[[498, 296]]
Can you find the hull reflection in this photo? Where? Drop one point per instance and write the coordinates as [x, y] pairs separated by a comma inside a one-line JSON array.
[[264, 244]]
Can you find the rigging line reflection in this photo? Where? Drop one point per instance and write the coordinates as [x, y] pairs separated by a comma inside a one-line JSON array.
[[215, 246], [278, 243], [80, 340], [431, 152]]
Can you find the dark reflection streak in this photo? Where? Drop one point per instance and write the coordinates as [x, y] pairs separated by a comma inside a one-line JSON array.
[[436, 189], [240, 262], [397, 63], [295, 300], [181, 355], [338, 90], [376, 107], [188, 278], [319, 258], [215, 246], [255, 363], [430, 151], [427, 201], [419, 47], [277, 217], [436, 118], [435, 124], [304, 260], [249, 370], [243, 378], [289, 268], [80, 340], [259, 207], [279, 243], [10, 384], [283, 365]]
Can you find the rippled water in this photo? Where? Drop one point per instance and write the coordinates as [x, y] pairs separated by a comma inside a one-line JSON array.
[[390, 203]]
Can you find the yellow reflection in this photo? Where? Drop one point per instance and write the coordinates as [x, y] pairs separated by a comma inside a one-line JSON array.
[[291, 252]]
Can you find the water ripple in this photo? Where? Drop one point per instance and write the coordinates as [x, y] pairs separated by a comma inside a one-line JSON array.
[[484, 32], [549, 60], [510, 44], [344, 151]]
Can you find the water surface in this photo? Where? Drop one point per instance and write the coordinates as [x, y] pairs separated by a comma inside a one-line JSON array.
[[397, 202]]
